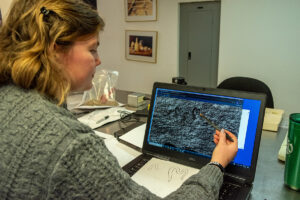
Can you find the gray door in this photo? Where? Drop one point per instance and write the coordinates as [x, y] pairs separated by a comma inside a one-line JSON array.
[[199, 43]]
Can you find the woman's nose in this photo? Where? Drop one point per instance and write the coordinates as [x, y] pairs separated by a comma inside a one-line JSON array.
[[98, 61]]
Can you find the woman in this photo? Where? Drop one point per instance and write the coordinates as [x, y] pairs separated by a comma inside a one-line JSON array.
[[47, 49]]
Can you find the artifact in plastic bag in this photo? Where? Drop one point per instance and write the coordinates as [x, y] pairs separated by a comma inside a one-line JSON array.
[[103, 92]]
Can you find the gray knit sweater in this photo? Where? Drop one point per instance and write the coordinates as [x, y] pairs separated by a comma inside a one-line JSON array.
[[46, 153]]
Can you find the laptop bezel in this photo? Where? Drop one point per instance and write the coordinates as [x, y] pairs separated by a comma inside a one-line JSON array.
[[196, 161]]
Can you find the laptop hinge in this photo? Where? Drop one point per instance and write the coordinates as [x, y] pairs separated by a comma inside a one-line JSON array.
[[159, 156], [235, 178]]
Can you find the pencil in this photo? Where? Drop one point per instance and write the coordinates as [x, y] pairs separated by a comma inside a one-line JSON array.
[[215, 126], [102, 119]]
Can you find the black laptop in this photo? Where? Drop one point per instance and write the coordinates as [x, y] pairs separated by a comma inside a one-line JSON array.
[[176, 132]]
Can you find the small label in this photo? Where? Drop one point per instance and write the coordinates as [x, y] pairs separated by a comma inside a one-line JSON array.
[[289, 148], [140, 99]]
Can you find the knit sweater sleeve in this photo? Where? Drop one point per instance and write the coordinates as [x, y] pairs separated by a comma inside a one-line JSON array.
[[87, 170]]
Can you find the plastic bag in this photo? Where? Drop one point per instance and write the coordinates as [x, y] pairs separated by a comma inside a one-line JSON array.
[[103, 93]]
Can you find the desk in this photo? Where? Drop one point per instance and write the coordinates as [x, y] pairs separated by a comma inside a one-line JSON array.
[[268, 182], [121, 96], [269, 178], [111, 128]]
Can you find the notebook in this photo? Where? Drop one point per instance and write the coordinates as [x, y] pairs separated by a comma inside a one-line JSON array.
[[176, 132]]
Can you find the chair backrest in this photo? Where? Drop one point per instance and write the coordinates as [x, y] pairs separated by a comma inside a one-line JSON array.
[[250, 85]]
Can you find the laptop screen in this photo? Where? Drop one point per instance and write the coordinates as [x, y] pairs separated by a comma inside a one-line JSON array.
[[175, 123]]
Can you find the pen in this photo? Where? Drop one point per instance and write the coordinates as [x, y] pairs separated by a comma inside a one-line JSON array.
[[102, 119], [216, 127]]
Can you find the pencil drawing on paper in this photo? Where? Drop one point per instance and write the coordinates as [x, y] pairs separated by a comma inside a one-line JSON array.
[[177, 123], [153, 167], [174, 172]]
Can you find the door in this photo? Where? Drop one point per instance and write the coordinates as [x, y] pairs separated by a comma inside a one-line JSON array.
[[199, 43]]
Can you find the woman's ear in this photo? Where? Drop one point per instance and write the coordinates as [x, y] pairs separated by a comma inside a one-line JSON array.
[[55, 46], [57, 52]]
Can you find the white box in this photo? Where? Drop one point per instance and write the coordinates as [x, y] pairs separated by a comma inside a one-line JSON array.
[[136, 99]]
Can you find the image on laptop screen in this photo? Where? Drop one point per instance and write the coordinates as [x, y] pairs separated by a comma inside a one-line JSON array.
[[176, 123]]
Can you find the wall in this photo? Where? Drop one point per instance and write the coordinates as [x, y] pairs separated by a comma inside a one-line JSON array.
[[260, 39], [140, 76], [4, 5]]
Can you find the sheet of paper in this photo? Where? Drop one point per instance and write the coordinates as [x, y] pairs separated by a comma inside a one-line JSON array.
[[123, 153], [98, 118], [163, 177], [135, 136]]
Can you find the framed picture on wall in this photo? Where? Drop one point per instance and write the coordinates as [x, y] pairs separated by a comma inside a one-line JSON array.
[[141, 45], [140, 10]]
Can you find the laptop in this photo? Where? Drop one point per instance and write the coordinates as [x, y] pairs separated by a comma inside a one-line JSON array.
[[175, 131]]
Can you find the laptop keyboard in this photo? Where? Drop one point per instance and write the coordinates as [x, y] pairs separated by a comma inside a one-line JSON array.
[[228, 191], [132, 170]]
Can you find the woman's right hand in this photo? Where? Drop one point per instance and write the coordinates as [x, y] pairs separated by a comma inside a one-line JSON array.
[[225, 151]]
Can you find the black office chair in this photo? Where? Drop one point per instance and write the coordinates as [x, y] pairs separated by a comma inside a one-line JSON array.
[[250, 85]]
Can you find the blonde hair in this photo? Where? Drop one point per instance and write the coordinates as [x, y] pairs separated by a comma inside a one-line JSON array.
[[28, 36]]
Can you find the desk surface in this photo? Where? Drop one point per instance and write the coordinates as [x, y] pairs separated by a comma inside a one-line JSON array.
[[268, 183], [269, 177]]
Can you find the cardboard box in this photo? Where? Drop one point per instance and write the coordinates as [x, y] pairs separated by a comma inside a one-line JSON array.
[[272, 119]]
